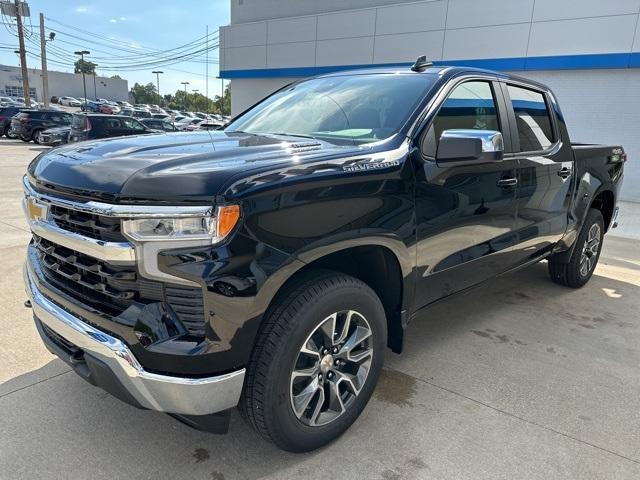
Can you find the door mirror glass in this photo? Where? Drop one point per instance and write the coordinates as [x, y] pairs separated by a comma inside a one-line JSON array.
[[470, 146]]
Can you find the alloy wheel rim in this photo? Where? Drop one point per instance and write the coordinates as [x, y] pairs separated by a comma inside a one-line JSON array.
[[590, 250], [331, 368]]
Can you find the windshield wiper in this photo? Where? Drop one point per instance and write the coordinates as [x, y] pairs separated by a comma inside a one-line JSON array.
[[285, 134]]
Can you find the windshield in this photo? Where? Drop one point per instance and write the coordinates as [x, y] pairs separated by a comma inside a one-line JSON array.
[[353, 108]]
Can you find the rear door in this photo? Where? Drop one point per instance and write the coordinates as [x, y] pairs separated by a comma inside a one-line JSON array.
[[545, 170], [465, 214]]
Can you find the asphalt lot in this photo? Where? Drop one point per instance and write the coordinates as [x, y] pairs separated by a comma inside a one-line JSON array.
[[517, 379]]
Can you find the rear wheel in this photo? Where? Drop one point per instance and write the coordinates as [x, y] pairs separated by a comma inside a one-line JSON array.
[[586, 253], [316, 362], [25, 139], [36, 136]]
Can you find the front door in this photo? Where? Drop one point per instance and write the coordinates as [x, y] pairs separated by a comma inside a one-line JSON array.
[[465, 214]]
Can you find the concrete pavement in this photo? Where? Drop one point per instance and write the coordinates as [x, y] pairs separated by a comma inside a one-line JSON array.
[[519, 378]]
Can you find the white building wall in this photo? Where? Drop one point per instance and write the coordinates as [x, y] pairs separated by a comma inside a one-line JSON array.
[[64, 84], [272, 42]]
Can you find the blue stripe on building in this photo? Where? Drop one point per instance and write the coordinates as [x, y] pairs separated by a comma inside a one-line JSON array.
[[559, 62]]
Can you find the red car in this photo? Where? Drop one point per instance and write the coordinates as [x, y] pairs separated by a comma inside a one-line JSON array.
[[108, 109]]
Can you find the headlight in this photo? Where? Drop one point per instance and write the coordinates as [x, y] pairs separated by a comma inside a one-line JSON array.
[[209, 228]]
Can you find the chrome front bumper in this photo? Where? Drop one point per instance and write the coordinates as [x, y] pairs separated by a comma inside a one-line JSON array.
[[164, 393]]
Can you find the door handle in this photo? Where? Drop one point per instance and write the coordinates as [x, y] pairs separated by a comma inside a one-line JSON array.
[[564, 172], [507, 182]]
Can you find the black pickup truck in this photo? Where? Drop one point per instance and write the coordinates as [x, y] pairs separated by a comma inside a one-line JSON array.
[[269, 266]]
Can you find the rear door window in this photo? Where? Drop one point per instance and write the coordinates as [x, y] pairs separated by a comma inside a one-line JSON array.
[[535, 130], [132, 124]]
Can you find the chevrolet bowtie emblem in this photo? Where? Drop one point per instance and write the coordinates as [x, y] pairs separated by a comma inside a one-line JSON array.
[[36, 211]]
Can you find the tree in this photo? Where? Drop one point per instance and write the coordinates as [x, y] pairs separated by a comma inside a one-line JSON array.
[[85, 66], [144, 93], [223, 104], [116, 77]]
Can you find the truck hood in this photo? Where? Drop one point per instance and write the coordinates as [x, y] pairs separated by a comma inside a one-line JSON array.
[[168, 167]]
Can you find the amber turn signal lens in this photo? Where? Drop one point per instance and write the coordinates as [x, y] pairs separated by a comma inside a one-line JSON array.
[[228, 216]]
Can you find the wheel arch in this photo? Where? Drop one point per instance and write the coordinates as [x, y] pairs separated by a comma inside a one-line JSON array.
[[380, 264], [605, 201]]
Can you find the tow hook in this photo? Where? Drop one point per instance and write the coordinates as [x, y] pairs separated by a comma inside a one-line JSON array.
[[27, 303]]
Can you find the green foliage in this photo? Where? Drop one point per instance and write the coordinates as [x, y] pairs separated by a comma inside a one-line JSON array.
[[85, 66], [193, 102], [116, 77], [144, 93]]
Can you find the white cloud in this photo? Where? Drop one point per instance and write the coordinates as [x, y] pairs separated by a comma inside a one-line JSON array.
[[82, 9], [122, 19], [113, 20]]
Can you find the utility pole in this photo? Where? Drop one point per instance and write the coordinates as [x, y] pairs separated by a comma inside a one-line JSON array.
[[23, 56], [206, 74], [43, 56], [82, 53], [222, 98], [158, 72], [184, 104], [95, 90]]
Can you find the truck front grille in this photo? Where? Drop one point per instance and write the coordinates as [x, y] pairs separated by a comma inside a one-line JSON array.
[[111, 289], [90, 225]]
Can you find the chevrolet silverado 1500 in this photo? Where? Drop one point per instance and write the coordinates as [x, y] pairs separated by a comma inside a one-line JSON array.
[[269, 266]]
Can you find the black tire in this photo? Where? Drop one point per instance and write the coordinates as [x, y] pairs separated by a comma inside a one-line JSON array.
[[36, 137], [24, 139], [266, 402], [574, 274]]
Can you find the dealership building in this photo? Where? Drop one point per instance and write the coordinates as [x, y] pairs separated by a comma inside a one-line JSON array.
[[61, 84], [587, 51]]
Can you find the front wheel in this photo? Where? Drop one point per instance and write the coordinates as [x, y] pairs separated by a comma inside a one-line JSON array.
[[316, 362], [586, 253]]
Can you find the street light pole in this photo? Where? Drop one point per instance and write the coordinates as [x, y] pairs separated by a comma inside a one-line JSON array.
[[82, 53], [95, 90], [158, 72], [184, 103]]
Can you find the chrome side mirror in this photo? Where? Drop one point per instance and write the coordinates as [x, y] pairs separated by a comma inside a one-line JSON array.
[[470, 146]]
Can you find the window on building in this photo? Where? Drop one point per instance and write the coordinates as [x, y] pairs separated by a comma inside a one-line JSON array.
[[471, 105], [16, 91], [532, 118]]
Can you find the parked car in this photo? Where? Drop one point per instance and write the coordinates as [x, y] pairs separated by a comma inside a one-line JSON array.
[[108, 109], [6, 113], [69, 101], [124, 104], [158, 124], [188, 124], [55, 136], [141, 113], [54, 99], [91, 106], [269, 265], [126, 111], [92, 126], [159, 115], [28, 124]]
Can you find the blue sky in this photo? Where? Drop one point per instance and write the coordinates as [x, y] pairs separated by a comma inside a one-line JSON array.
[[135, 25]]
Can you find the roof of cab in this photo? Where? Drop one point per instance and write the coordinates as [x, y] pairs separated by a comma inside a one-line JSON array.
[[440, 70]]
